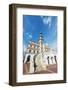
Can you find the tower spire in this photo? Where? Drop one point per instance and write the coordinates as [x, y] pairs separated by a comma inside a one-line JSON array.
[[40, 42]]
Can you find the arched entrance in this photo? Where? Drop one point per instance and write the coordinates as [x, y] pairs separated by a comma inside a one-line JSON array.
[[35, 66], [26, 64], [28, 59]]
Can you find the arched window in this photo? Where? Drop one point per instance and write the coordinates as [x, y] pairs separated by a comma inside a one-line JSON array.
[[34, 51], [29, 51]]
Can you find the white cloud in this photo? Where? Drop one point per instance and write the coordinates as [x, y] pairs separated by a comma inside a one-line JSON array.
[[29, 35], [47, 20]]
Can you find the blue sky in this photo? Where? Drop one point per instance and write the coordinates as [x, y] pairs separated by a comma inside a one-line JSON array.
[[33, 25]]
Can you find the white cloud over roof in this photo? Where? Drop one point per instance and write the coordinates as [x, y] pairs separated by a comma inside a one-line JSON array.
[[47, 20], [29, 35]]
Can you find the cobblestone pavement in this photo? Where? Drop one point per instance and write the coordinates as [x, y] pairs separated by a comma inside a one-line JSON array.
[[50, 69]]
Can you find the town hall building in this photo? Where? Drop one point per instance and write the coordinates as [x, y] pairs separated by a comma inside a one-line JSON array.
[[39, 55]]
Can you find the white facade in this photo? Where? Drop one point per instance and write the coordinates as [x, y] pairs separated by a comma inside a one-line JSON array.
[[44, 55]]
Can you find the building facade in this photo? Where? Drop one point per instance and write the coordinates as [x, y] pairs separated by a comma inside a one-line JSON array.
[[40, 54]]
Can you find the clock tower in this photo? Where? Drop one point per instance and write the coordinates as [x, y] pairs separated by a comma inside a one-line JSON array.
[[40, 43]]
